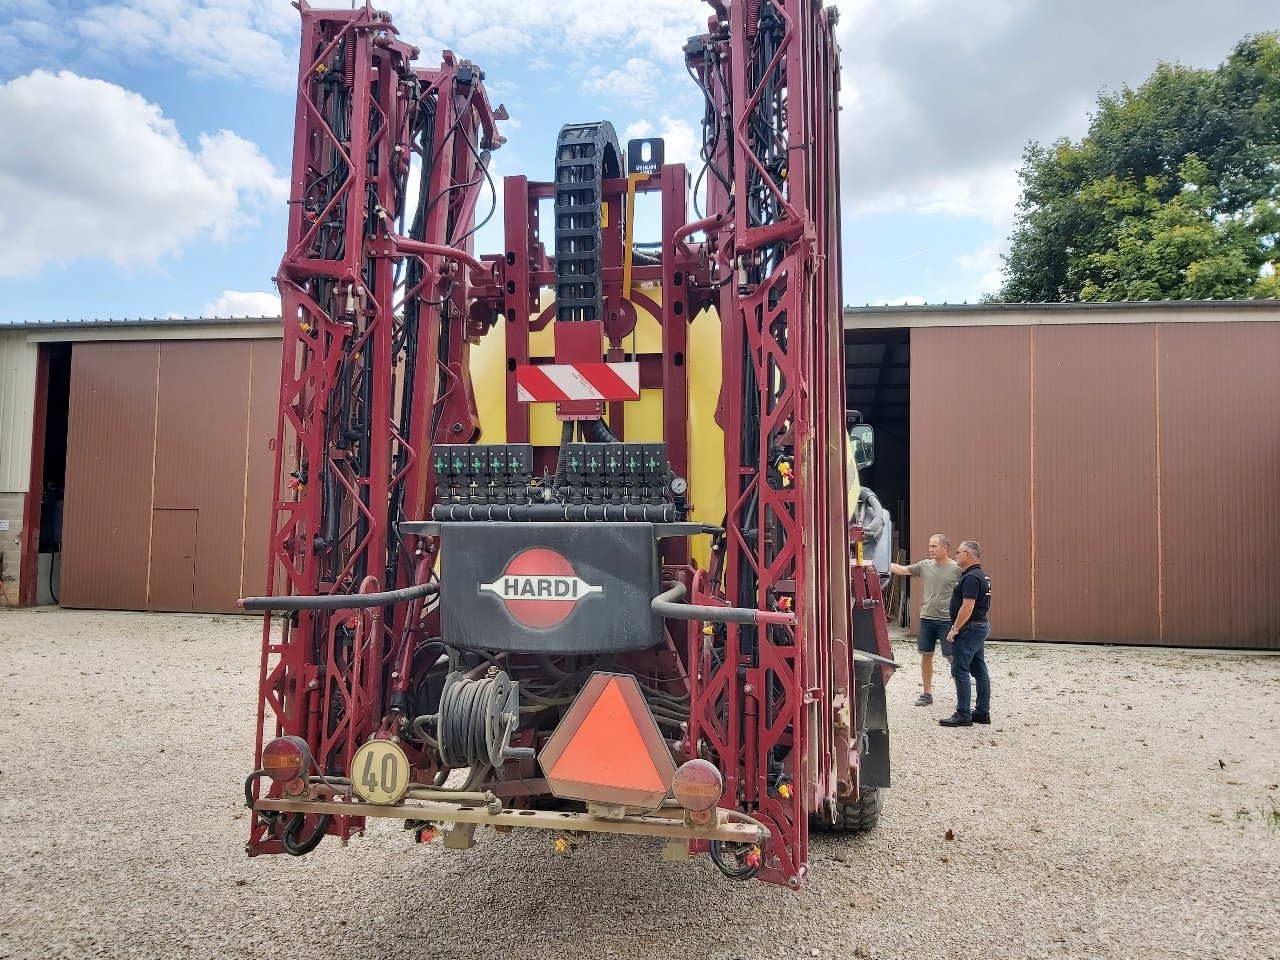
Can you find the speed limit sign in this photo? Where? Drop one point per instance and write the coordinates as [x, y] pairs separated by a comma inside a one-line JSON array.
[[380, 772]]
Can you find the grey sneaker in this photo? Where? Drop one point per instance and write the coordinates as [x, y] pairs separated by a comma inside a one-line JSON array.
[[924, 700]]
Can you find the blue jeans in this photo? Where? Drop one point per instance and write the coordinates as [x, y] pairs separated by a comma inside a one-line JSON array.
[[969, 658]]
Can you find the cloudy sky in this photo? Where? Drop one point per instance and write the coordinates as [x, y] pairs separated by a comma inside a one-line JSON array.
[[144, 145]]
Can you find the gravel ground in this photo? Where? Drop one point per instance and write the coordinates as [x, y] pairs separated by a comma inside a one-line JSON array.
[[1124, 804]]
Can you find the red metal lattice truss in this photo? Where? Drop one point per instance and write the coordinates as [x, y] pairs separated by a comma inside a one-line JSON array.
[[379, 316], [353, 327]]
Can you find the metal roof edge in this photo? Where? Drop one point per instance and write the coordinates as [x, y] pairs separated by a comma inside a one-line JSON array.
[[128, 323], [1031, 314]]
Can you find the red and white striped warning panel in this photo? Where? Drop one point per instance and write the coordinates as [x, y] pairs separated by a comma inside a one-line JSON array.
[[558, 382]]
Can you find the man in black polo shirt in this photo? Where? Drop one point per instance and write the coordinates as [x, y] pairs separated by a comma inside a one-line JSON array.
[[970, 604]]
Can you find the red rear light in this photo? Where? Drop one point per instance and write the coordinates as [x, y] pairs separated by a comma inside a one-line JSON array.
[[697, 786], [286, 758]]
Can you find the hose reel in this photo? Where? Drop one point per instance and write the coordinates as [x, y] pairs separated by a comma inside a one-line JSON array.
[[476, 721]]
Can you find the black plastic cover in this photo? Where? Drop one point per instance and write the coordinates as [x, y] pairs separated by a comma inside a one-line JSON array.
[[549, 587]]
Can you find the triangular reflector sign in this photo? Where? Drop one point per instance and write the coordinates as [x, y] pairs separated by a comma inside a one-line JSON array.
[[608, 750]]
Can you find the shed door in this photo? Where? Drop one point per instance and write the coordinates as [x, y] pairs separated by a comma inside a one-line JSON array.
[[173, 561]]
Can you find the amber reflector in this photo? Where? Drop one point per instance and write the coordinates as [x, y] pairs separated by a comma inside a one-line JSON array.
[[608, 748], [286, 758]]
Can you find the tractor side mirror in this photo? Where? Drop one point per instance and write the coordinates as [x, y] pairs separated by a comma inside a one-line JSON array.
[[863, 438]]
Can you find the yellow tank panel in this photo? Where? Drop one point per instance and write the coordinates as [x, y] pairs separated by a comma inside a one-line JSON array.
[[643, 417], [488, 379], [706, 439]]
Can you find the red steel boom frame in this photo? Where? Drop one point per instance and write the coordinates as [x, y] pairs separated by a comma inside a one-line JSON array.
[[379, 317], [350, 459]]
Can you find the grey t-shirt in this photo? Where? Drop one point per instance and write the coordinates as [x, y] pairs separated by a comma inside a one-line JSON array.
[[939, 581]]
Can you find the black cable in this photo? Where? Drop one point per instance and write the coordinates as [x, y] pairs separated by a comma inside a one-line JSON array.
[[462, 114], [493, 190]]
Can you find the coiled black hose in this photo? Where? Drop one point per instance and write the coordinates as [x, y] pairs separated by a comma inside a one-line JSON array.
[[464, 729]]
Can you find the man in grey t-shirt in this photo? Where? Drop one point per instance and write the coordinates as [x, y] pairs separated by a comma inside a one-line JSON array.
[[939, 574]]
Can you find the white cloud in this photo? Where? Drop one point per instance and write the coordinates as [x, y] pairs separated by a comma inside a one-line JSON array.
[[940, 98], [484, 28], [257, 40], [89, 169], [985, 263], [636, 82], [243, 39], [907, 301], [239, 303]]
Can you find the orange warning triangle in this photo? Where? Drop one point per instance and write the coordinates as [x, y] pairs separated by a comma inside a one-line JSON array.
[[608, 749]]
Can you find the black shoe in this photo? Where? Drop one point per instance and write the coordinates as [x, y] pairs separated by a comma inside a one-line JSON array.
[[956, 720], [981, 717]]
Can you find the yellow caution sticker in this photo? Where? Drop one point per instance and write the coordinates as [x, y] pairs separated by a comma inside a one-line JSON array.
[[380, 772]]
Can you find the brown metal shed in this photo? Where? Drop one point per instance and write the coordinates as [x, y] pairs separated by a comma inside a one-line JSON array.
[[168, 473], [1120, 463]]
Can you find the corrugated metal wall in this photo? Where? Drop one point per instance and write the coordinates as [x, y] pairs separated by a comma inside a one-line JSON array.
[[17, 404], [1124, 479], [161, 443], [1219, 391], [111, 449], [963, 484], [1094, 432]]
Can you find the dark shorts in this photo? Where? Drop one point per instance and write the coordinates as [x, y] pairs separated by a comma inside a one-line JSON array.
[[930, 632]]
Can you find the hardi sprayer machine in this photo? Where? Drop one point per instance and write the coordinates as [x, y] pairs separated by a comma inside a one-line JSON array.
[[560, 536]]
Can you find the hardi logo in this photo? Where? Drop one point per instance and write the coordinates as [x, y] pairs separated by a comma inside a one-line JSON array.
[[540, 588]]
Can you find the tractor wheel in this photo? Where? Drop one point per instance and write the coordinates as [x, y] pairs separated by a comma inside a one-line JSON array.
[[862, 814], [856, 817]]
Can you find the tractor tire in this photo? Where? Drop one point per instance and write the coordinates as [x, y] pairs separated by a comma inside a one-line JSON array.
[[862, 814], [856, 817]]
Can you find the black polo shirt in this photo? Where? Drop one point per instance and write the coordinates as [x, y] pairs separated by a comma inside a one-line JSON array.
[[972, 585]]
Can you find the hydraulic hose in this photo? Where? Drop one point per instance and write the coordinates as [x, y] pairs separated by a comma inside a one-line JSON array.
[[339, 601], [291, 841], [597, 431], [666, 605], [734, 871]]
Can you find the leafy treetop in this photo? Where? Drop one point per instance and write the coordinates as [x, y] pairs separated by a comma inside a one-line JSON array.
[[1174, 193]]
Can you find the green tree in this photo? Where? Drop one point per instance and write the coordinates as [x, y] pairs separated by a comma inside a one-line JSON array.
[[1174, 193]]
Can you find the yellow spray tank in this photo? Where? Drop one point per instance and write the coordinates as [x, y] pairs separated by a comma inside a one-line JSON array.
[[642, 422]]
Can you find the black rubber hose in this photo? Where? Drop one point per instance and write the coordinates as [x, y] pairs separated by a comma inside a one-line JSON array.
[[733, 872], [340, 601], [666, 605], [597, 431], [566, 438], [248, 786], [289, 839]]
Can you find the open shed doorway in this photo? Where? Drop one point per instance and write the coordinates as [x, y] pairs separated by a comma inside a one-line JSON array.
[[878, 386], [42, 566]]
